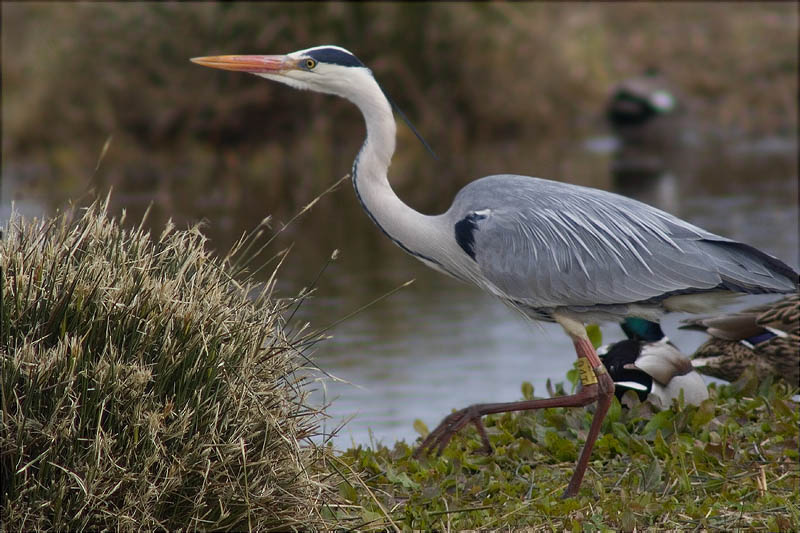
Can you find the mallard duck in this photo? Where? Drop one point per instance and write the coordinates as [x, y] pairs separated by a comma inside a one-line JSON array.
[[766, 337], [648, 363], [637, 105]]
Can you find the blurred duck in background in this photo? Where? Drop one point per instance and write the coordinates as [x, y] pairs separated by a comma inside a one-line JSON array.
[[644, 110], [649, 123], [766, 337], [650, 365]]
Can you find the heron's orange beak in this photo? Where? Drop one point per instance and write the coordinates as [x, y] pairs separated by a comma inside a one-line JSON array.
[[251, 64]]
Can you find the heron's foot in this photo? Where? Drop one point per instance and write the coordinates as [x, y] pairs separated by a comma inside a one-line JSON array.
[[439, 437]]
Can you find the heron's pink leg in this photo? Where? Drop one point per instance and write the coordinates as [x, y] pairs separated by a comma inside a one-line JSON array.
[[605, 391], [597, 387]]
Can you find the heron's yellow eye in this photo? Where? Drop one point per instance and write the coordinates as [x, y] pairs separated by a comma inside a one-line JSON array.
[[310, 63]]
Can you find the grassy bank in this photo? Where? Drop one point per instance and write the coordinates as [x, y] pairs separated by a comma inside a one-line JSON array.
[[731, 463], [147, 384]]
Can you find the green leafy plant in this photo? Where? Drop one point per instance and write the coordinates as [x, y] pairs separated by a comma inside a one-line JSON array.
[[730, 463]]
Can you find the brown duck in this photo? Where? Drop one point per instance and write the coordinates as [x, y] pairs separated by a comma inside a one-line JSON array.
[[766, 337]]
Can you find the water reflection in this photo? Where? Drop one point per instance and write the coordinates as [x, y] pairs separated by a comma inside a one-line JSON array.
[[646, 176], [439, 344]]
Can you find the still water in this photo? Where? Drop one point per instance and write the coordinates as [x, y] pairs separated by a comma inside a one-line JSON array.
[[437, 344]]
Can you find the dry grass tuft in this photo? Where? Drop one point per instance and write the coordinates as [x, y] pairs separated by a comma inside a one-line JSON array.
[[144, 387]]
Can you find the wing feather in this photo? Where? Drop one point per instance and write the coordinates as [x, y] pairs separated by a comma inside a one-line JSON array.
[[548, 244]]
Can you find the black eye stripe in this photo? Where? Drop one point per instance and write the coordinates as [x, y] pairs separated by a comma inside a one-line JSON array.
[[335, 56]]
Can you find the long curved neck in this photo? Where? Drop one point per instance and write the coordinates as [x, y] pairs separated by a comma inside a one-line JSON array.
[[409, 229]]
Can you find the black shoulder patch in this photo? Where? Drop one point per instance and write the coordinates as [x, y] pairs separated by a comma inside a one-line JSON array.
[[465, 232], [336, 57]]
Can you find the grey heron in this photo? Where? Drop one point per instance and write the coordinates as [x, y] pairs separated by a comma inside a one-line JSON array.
[[552, 251]]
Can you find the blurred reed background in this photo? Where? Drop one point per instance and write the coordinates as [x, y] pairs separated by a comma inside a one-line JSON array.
[[521, 80]]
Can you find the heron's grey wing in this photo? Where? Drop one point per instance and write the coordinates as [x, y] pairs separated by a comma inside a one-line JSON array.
[[547, 244]]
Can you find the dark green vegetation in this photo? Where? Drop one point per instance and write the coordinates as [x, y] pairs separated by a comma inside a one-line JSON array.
[[148, 385], [730, 463]]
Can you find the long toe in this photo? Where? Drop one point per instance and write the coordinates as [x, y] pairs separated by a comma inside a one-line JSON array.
[[440, 437]]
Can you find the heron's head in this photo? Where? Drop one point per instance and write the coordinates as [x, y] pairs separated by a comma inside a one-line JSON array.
[[325, 69]]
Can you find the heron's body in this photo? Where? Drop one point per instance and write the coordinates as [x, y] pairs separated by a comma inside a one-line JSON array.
[[550, 247], [555, 251]]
